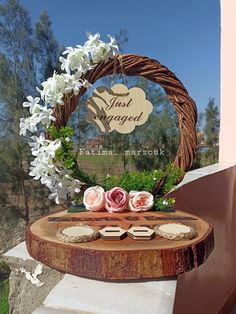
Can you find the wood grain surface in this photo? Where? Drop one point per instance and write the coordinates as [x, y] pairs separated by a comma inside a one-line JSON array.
[[124, 259]]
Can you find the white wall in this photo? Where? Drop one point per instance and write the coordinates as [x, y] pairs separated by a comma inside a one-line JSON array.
[[228, 82]]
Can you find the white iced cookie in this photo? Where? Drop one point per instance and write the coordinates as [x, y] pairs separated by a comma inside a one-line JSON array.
[[175, 231], [77, 233]]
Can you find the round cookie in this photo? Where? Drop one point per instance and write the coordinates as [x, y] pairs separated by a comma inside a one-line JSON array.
[[175, 231], [77, 233]]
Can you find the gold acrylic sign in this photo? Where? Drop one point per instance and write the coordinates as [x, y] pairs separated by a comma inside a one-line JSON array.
[[118, 108]]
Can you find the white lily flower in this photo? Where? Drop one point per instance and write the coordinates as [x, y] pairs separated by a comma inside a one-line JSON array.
[[29, 124], [43, 165], [38, 141], [74, 187], [45, 148], [46, 116], [93, 38], [50, 180], [68, 186], [53, 147], [39, 169], [113, 44], [32, 103], [68, 50], [93, 41], [58, 194], [77, 60], [64, 64], [58, 85], [103, 51]]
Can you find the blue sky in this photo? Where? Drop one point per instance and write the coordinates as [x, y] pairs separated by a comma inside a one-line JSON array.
[[184, 35]]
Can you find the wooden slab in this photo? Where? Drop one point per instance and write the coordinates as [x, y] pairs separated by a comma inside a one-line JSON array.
[[124, 259]]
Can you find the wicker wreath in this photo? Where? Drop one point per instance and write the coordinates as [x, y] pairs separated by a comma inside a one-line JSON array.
[[134, 65]]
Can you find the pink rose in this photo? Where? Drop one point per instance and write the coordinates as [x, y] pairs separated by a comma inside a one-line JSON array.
[[117, 200], [140, 201], [94, 198]]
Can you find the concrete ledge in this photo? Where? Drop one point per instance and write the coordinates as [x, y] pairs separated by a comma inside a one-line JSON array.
[[204, 171], [49, 310], [86, 295], [19, 251], [24, 296]]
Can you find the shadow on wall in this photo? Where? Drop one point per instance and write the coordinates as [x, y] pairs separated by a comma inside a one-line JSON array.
[[211, 288]]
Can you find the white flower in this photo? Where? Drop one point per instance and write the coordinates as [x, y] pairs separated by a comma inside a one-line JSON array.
[[113, 44], [83, 58], [77, 60], [40, 169], [93, 40], [58, 193], [72, 83], [46, 116], [42, 165], [38, 141], [64, 64], [51, 179], [165, 202], [67, 186], [52, 147], [45, 148], [100, 53], [99, 50], [68, 50], [74, 186], [53, 89], [29, 124], [32, 103], [59, 84], [48, 180], [39, 114]]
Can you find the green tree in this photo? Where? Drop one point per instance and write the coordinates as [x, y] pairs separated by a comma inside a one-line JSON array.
[[17, 78], [48, 50], [211, 131], [122, 38], [25, 54], [160, 134], [198, 161]]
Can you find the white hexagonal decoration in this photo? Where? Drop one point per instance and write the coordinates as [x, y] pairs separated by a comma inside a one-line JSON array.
[[112, 233], [140, 233]]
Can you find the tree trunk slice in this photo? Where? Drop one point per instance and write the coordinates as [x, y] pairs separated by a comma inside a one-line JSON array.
[[124, 259]]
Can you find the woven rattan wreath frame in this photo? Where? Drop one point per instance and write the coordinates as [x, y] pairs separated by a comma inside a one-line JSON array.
[[150, 69]]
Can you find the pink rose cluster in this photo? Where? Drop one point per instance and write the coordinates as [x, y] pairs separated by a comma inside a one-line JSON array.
[[117, 200]]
